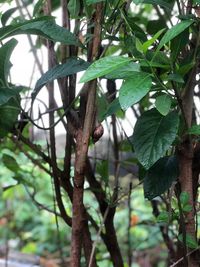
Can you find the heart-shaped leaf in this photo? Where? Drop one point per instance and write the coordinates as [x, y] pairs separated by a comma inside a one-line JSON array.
[[163, 104], [160, 177], [153, 136]]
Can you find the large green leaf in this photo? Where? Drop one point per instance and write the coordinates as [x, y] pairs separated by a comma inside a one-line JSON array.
[[163, 104], [8, 116], [6, 94], [160, 177], [174, 31], [104, 66], [126, 71], [74, 8], [43, 26], [72, 66], [190, 241], [134, 89], [153, 136], [5, 54]]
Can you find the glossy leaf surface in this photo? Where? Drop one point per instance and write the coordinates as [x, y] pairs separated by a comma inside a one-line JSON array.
[[134, 89], [160, 177], [153, 136], [104, 66]]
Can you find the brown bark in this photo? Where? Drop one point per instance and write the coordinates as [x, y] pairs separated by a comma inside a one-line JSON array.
[[186, 181], [82, 142], [110, 240], [185, 157], [186, 176], [50, 88]]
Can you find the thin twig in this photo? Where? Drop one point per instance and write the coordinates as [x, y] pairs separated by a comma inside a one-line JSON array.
[[98, 235], [129, 226], [181, 259]]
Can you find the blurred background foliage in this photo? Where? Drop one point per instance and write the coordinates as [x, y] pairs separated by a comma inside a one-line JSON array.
[[28, 226], [29, 221]]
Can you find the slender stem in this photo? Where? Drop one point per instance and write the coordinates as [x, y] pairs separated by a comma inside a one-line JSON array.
[[129, 226]]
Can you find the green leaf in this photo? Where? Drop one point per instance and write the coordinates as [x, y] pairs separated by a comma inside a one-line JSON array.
[[184, 198], [174, 31], [134, 89], [196, 2], [102, 169], [163, 217], [160, 177], [74, 8], [126, 71], [88, 9], [5, 17], [153, 64], [148, 43], [187, 208], [163, 104], [195, 129], [89, 2], [185, 68], [179, 43], [138, 45], [21, 180], [5, 54], [153, 26], [190, 241], [10, 163], [38, 7], [153, 136], [104, 66], [72, 66], [135, 29], [8, 116], [6, 94], [176, 78], [113, 107], [43, 26], [156, 59]]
